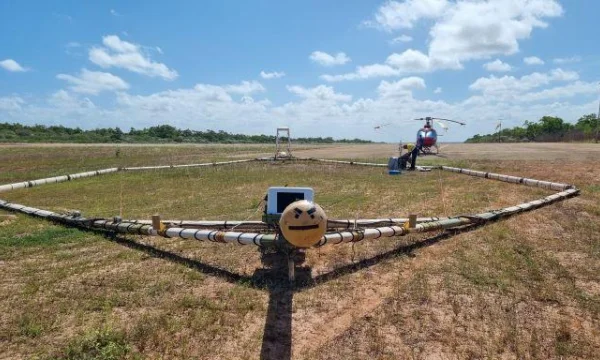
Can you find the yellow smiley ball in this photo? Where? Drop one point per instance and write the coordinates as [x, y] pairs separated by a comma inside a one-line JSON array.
[[303, 223]]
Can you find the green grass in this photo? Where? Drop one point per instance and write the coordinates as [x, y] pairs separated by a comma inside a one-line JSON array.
[[592, 188], [235, 192], [103, 344], [50, 236], [30, 326]]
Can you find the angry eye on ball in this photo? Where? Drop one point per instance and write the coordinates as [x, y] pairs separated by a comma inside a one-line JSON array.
[[311, 212]]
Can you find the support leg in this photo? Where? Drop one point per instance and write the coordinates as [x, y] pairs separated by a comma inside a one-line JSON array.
[[291, 268]]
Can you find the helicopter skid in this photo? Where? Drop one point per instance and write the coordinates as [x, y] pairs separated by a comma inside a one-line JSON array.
[[430, 150]]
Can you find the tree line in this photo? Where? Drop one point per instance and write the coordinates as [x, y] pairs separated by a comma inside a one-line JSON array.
[[547, 129], [154, 134]]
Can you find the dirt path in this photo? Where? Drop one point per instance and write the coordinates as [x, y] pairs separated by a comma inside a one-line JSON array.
[[311, 331]]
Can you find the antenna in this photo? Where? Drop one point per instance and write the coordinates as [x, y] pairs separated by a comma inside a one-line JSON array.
[[499, 128], [598, 120]]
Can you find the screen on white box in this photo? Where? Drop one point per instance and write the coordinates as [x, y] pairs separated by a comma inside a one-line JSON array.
[[279, 197], [286, 198]]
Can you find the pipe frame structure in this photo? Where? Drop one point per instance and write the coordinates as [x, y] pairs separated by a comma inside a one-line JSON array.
[[257, 232]]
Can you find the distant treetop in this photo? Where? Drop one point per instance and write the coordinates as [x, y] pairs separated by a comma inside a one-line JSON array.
[[547, 129], [154, 134]]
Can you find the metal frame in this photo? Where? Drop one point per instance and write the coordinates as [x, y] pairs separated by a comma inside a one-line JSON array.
[[339, 231], [278, 145]]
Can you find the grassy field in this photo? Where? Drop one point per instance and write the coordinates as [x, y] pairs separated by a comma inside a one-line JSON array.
[[526, 288]]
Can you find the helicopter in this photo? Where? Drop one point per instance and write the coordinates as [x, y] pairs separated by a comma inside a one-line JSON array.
[[428, 135]]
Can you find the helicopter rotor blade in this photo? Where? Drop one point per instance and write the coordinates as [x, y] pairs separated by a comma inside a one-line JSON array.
[[444, 126], [454, 121], [377, 127]]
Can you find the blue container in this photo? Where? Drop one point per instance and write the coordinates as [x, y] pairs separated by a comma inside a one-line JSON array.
[[393, 166]]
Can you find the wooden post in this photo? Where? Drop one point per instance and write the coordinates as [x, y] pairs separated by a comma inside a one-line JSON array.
[[412, 221], [156, 223]]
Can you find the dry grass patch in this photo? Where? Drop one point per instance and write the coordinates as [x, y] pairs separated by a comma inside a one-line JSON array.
[[522, 288]]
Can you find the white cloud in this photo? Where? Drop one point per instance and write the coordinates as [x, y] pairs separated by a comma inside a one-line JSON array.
[[64, 100], [533, 60], [208, 92], [462, 31], [113, 12], [401, 39], [123, 54], [400, 88], [93, 82], [73, 48], [11, 103], [118, 45], [173, 101], [561, 92], [204, 106], [12, 66], [394, 15], [318, 111], [479, 29], [497, 66], [510, 86], [469, 30], [212, 104], [364, 72], [159, 50], [410, 61], [204, 92], [245, 87], [572, 59], [321, 93], [324, 59], [271, 75]]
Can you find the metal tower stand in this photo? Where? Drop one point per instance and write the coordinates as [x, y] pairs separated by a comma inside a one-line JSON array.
[[279, 153]]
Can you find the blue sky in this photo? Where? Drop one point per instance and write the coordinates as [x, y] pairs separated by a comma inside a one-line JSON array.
[[324, 68]]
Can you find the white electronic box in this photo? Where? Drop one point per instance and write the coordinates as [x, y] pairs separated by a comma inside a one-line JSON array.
[[278, 198]]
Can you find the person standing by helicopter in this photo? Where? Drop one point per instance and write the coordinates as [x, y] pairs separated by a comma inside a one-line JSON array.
[[415, 152], [410, 156]]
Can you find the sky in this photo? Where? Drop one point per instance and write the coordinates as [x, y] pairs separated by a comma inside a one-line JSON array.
[[334, 68]]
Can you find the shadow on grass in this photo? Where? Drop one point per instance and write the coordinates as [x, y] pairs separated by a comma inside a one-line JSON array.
[[372, 261], [277, 334], [275, 277], [182, 260]]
